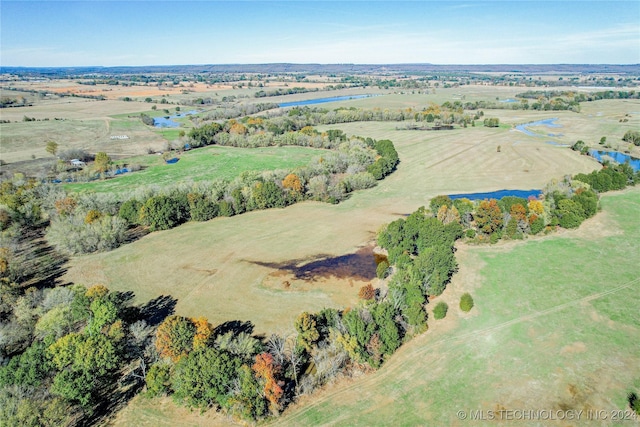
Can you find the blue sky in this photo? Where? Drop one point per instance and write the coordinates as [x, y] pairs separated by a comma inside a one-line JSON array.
[[109, 33]]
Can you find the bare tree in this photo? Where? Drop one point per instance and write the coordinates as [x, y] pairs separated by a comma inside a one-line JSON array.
[[293, 356], [276, 346]]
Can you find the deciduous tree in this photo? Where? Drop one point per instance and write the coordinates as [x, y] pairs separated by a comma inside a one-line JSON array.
[[488, 216], [102, 161], [307, 330], [266, 369], [174, 337], [52, 148], [292, 183], [204, 378]]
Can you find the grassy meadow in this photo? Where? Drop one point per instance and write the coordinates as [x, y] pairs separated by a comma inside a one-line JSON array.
[[207, 163], [555, 326], [232, 263]]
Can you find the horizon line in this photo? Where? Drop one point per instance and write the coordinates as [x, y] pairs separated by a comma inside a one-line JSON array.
[[333, 64]]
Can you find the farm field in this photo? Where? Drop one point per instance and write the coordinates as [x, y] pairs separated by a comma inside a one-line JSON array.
[[540, 337], [207, 163]]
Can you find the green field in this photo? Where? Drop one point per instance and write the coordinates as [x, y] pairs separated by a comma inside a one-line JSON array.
[[556, 326], [202, 164]]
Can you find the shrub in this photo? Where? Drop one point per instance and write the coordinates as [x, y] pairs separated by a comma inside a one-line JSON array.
[[163, 213], [382, 270], [466, 302], [493, 239], [440, 310], [130, 212], [634, 402], [537, 225], [632, 136], [471, 233], [367, 292], [158, 380]]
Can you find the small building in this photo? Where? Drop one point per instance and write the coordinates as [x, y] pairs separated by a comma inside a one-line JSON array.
[[77, 163]]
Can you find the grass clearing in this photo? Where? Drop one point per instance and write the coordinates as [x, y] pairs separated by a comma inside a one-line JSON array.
[[557, 333], [541, 336], [202, 164], [215, 261]]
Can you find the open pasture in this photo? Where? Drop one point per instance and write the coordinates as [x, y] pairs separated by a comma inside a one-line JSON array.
[[555, 327], [224, 269], [25, 141], [208, 163]]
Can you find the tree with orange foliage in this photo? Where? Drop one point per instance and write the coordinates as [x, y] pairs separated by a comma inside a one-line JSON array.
[[292, 182], [175, 336], [489, 216], [66, 206], [97, 292], [204, 330], [518, 212], [266, 370], [238, 129]]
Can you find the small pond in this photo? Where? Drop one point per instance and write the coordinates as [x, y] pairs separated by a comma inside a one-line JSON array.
[[322, 100], [168, 122], [616, 157], [360, 266], [525, 194], [524, 128]]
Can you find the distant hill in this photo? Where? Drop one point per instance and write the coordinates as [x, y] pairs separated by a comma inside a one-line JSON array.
[[330, 69]]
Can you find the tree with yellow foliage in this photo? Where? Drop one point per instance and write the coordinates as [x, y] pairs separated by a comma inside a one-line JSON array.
[[292, 182]]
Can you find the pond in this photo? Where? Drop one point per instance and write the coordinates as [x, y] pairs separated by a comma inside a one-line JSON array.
[[322, 100], [524, 128], [525, 194], [360, 265], [168, 122], [616, 157]]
